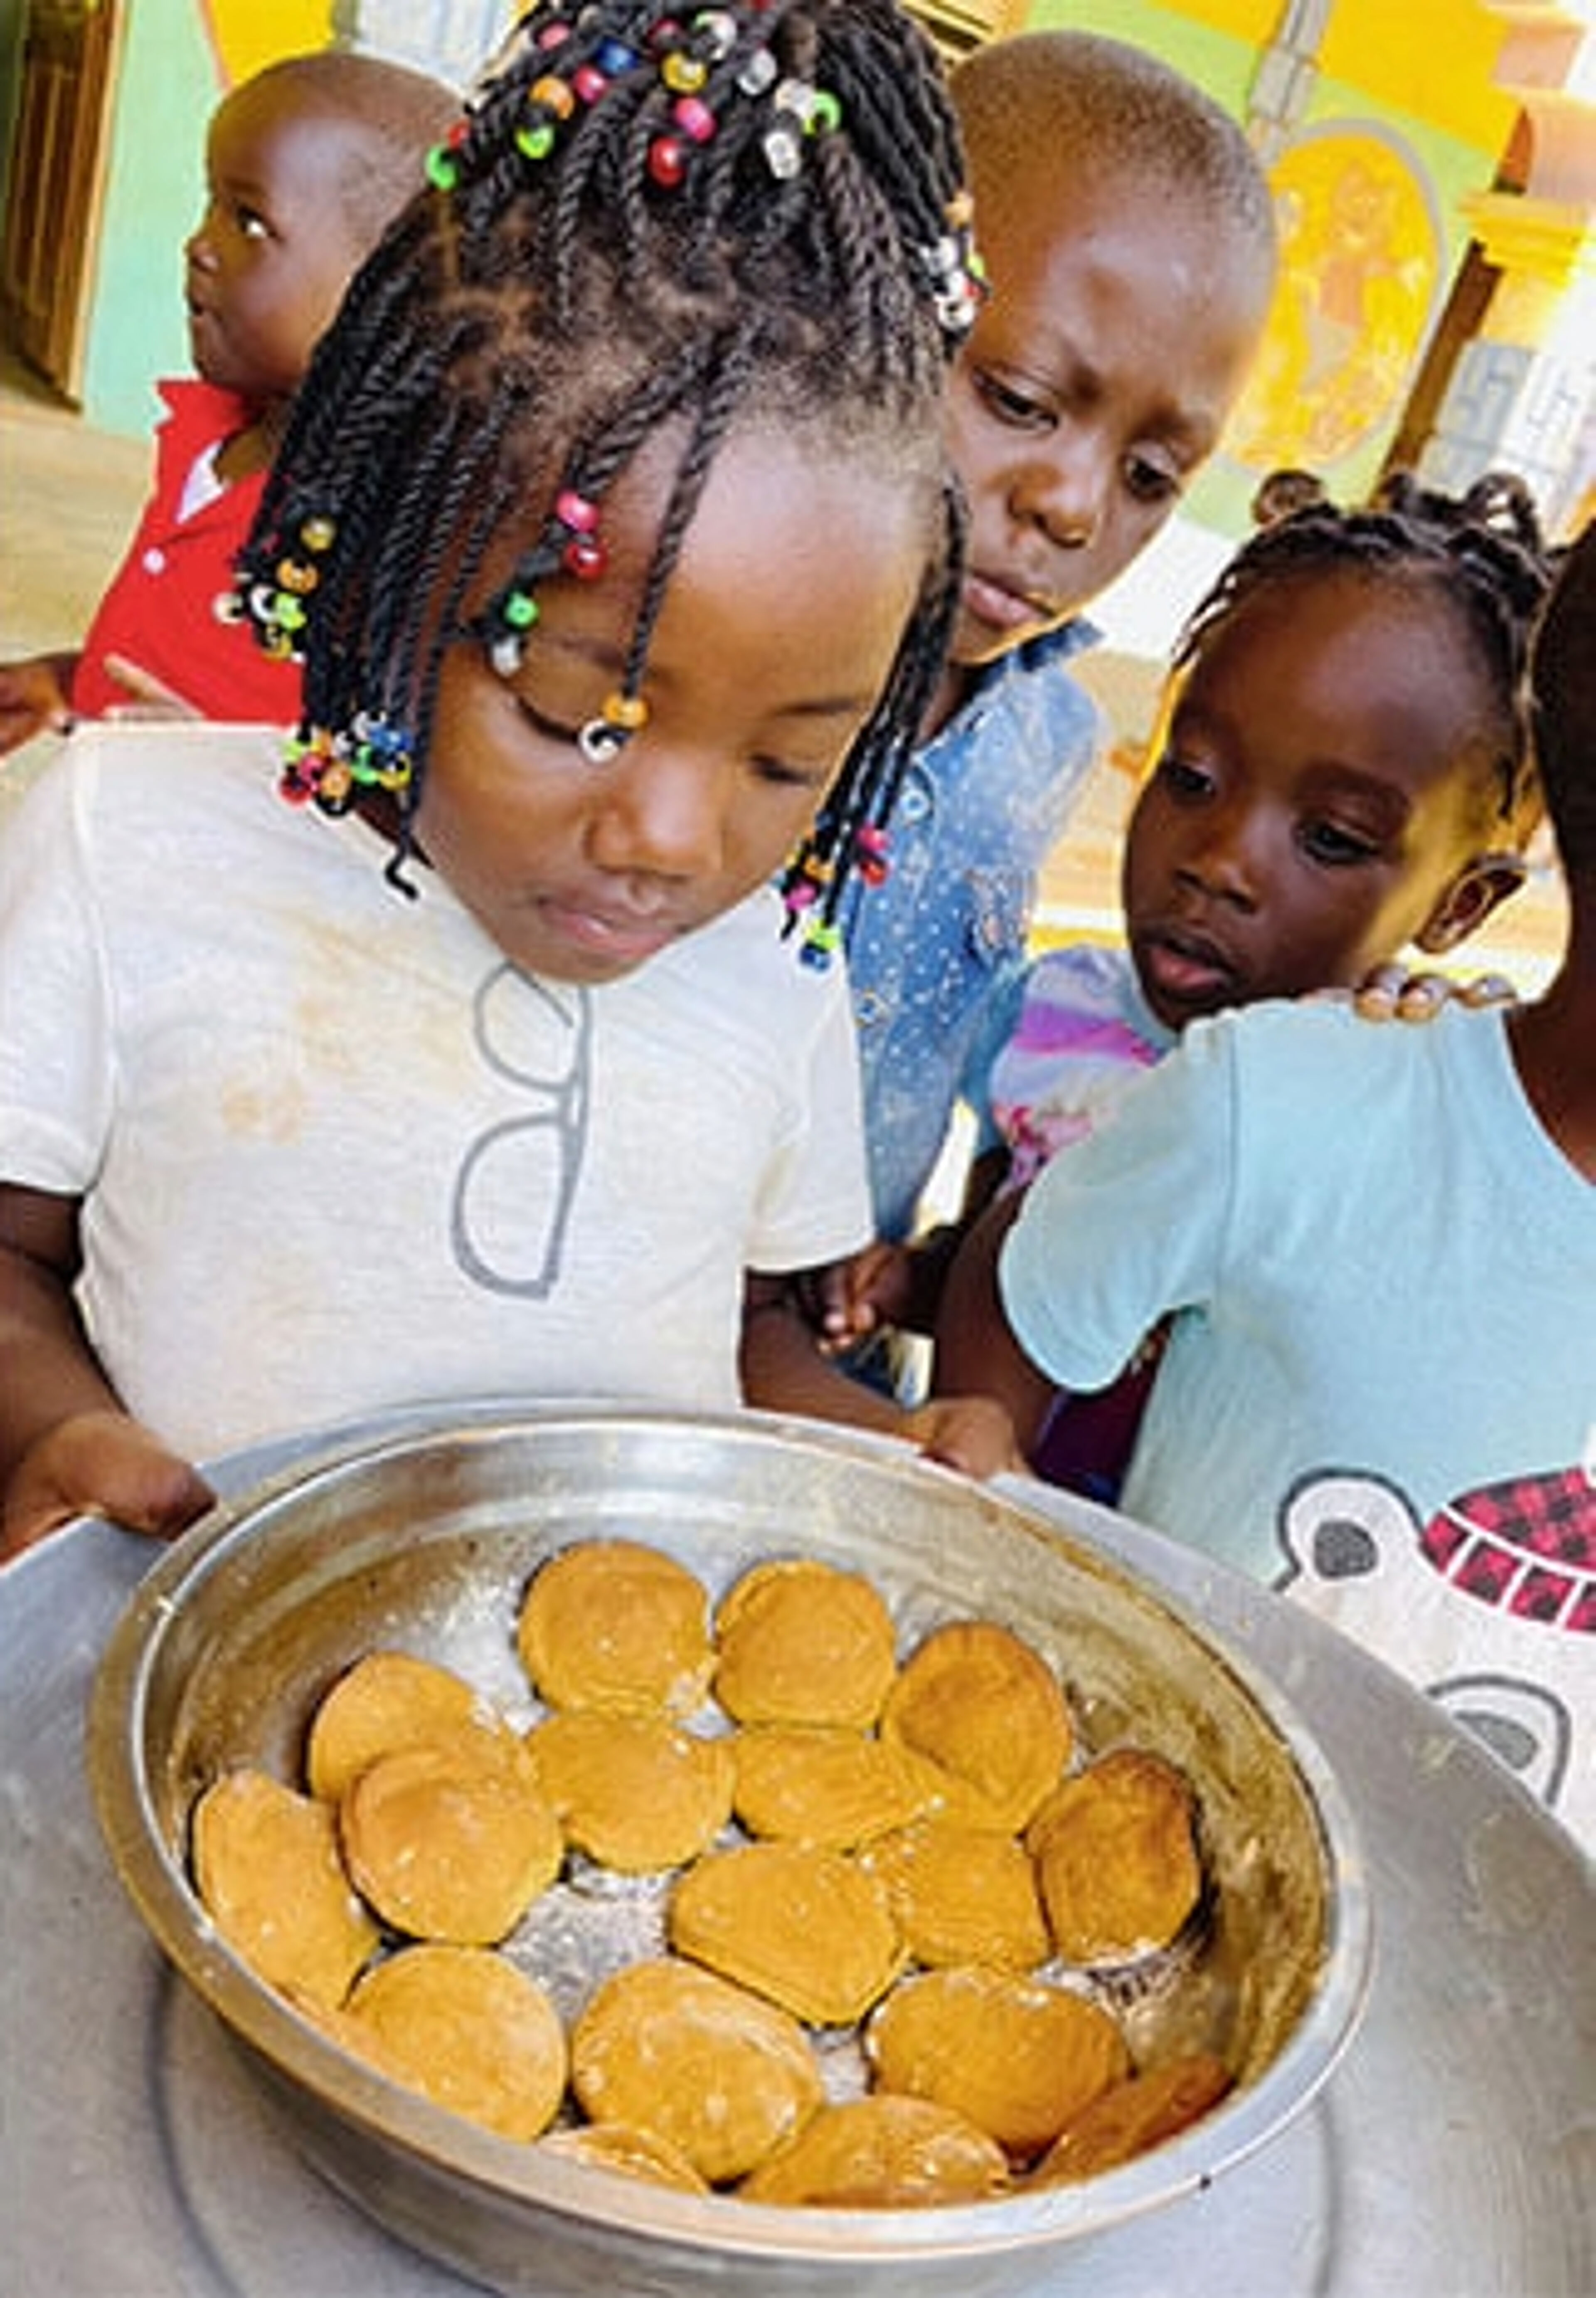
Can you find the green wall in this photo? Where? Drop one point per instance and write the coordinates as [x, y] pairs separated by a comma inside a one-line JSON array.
[[166, 89]]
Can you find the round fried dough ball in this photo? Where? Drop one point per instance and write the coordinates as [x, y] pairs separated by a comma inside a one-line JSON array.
[[884, 2152], [267, 1866], [976, 1699], [801, 1642], [719, 2074], [469, 2031], [450, 1839], [615, 1625], [805, 1927], [1018, 2057]]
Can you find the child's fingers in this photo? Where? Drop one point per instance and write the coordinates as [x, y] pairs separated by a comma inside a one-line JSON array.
[[150, 697], [1394, 994]]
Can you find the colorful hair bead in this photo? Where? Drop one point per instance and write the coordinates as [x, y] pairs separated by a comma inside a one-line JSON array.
[[584, 556], [313, 768], [820, 945], [694, 117], [715, 32], [579, 512], [554, 94], [619, 718], [870, 854], [758, 73], [683, 74], [955, 269], [668, 161], [380, 758]]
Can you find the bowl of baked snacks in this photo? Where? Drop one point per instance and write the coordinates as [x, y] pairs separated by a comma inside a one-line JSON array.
[[638, 1851]]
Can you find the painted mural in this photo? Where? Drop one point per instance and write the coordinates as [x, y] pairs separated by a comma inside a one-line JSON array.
[[1362, 265]]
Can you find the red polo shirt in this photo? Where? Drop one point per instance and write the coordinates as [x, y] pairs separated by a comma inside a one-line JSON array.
[[160, 611]]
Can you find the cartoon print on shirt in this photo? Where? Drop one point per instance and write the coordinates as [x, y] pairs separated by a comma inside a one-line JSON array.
[[517, 1181], [1358, 1554]]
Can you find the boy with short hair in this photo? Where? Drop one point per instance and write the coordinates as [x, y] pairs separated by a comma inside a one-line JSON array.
[[1129, 236], [306, 162]]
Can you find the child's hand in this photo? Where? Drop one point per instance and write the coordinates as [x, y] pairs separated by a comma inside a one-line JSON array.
[[1392, 994], [148, 698], [100, 1464], [33, 700], [849, 1301], [973, 1433]]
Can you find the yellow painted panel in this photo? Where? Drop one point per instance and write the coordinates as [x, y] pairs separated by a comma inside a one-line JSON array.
[[1360, 273], [1433, 59], [1253, 20], [246, 36]]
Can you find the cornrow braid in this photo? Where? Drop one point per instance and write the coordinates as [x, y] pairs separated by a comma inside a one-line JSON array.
[[1482, 553], [642, 228]]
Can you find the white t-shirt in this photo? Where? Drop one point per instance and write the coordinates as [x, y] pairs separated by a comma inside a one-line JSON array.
[[335, 1154], [1379, 1391]]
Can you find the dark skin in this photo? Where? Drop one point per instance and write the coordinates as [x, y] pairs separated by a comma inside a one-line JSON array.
[[1551, 1040], [579, 877], [264, 271], [1324, 794]]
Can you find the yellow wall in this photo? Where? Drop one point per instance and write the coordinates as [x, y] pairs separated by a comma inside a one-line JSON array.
[[1432, 58], [246, 36]]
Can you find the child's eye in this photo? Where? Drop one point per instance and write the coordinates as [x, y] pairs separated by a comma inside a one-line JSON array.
[[252, 223], [1151, 482], [1337, 848], [1009, 403], [552, 730], [1182, 778], [787, 774]]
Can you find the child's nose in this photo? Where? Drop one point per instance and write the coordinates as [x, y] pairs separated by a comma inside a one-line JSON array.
[[1224, 855], [1063, 490], [662, 814], [197, 250]]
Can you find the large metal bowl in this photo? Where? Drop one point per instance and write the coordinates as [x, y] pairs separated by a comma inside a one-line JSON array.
[[424, 1535]]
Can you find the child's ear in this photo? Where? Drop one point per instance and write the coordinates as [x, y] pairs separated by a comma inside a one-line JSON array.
[[1480, 887]]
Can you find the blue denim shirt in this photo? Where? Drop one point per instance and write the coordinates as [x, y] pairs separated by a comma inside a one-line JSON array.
[[982, 806]]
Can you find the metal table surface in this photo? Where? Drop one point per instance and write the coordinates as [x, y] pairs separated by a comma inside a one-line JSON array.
[[1452, 2154]]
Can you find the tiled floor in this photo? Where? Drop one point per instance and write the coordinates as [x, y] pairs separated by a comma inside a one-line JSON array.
[[69, 499]]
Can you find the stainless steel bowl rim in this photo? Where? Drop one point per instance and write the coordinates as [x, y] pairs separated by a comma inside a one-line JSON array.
[[159, 1888]]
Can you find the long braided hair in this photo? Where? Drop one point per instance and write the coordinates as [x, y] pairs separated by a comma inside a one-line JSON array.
[[1481, 552], [640, 225]]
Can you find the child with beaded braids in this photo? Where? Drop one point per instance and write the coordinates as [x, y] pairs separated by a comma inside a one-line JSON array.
[[1340, 772], [613, 530], [1379, 1249]]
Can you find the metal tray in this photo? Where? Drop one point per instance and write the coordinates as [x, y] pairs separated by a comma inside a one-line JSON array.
[[1444, 2155]]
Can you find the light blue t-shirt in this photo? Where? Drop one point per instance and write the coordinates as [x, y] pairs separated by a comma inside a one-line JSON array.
[[980, 806], [1380, 1385]]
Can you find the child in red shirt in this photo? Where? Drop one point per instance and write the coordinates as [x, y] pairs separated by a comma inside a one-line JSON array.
[[305, 164]]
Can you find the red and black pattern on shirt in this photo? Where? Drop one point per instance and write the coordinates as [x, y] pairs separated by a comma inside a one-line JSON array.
[[1527, 1546]]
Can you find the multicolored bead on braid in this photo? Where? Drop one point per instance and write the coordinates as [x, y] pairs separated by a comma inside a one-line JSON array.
[[688, 73], [570, 543], [279, 610], [956, 272], [332, 770], [814, 883]]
